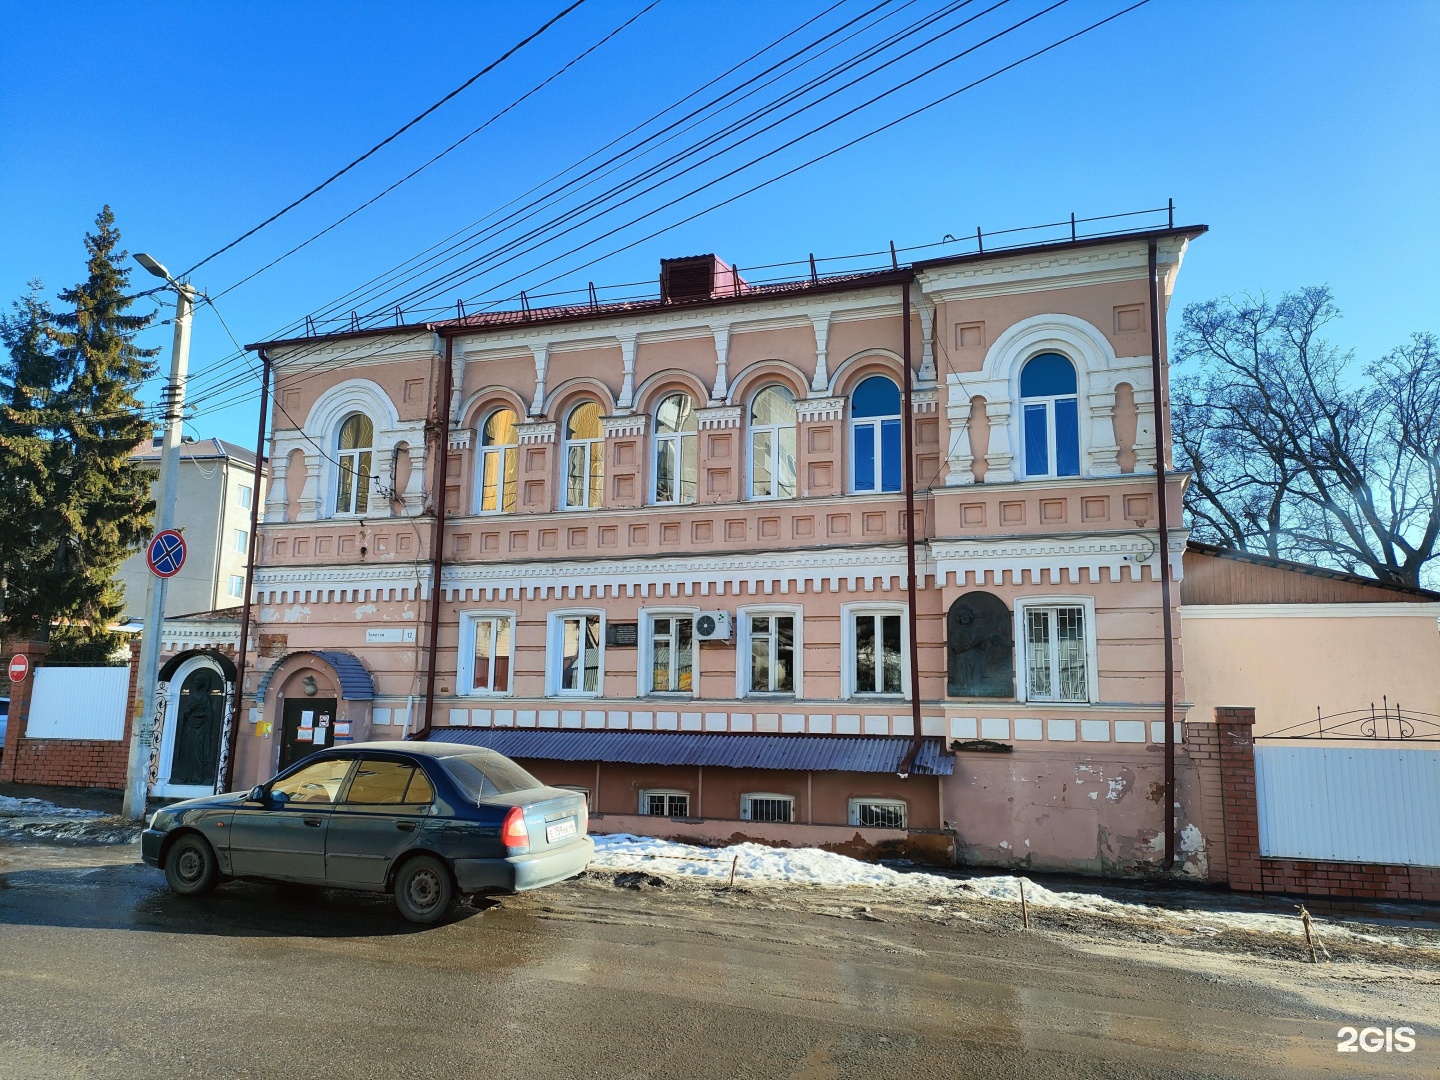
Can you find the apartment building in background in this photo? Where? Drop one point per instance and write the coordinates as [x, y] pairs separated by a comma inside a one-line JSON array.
[[212, 510], [672, 570]]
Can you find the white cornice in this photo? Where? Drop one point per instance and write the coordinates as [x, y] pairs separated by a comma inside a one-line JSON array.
[[1125, 260], [1399, 610], [1111, 551]]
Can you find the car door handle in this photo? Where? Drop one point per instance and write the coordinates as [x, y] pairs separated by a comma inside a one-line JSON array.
[[405, 826], [314, 822]]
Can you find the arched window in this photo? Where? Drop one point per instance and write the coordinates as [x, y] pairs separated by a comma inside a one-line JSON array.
[[875, 436], [356, 457], [584, 457], [499, 464], [677, 461], [1052, 416], [772, 444]]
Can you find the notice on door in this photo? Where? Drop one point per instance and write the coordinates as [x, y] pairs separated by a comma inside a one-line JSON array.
[[304, 735], [307, 719]]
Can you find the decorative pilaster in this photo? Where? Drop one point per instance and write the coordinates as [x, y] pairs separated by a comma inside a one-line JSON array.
[[998, 455], [275, 490], [926, 311], [1144, 430], [310, 493], [722, 362], [627, 388], [821, 382], [542, 363], [958, 457], [1104, 452]]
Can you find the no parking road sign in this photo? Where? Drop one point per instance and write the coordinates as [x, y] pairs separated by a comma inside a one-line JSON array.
[[166, 553]]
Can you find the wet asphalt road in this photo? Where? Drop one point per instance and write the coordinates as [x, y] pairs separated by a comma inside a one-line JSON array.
[[104, 974]]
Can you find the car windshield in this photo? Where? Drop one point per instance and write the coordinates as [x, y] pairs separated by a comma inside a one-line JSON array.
[[487, 774]]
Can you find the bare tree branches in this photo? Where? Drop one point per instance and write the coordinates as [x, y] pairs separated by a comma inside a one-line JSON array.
[[1293, 452]]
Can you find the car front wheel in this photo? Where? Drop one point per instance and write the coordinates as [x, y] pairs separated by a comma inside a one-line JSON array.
[[423, 891], [190, 867]]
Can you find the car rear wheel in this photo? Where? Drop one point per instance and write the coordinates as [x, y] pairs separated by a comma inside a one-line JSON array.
[[423, 891], [190, 867]]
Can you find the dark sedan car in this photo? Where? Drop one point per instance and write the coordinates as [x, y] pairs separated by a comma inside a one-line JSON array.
[[424, 820]]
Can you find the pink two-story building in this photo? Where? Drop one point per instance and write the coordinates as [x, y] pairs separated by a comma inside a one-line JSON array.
[[673, 571]]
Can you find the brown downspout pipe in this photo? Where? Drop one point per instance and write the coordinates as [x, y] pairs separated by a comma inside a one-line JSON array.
[[242, 654], [1161, 441], [437, 540], [907, 477]]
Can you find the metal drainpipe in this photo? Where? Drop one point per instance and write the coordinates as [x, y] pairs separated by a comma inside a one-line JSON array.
[[437, 543], [907, 477], [1161, 440], [243, 652]]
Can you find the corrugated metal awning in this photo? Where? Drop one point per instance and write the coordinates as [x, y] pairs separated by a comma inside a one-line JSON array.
[[354, 677], [802, 753]]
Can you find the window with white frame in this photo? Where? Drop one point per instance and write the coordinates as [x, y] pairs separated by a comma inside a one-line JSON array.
[[1057, 652], [487, 640], [1051, 416], [677, 454], [247, 493], [875, 446], [498, 468], [771, 658], [868, 813], [237, 587], [875, 650], [355, 450], [240, 541], [577, 644], [665, 802], [772, 444], [767, 806], [584, 457], [672, 654]]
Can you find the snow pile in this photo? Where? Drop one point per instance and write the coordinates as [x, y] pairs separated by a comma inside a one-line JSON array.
[[34, 808], [36, 820], [811, 866]]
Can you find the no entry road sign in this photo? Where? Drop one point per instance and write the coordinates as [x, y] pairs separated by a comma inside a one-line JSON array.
[[19, 667], [166, 553]]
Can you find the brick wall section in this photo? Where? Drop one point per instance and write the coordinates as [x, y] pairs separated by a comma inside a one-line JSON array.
[[1250, 872], [62, 762], [1202, 747]]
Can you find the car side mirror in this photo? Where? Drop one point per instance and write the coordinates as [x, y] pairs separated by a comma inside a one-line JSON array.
[[257, 793]]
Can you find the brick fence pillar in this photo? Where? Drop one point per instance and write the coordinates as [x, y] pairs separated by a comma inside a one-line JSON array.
[[20, 694], [1237, 787]]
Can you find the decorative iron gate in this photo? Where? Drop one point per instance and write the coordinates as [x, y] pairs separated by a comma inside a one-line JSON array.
[[1360, 786]]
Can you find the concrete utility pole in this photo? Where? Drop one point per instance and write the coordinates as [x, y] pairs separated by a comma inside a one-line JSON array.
[[137, 775]]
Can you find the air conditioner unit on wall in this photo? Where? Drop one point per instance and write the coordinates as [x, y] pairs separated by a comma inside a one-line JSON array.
[[712, 626]]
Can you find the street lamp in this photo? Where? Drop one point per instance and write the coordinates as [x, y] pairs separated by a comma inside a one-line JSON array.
[[137, 777]]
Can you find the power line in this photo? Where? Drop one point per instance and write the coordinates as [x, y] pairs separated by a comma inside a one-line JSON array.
[[760, 113], [389, 138], [340, 301], [453, 146], [869, 134]]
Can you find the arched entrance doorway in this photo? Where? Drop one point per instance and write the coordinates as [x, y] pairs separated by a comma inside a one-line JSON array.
[[198, 691]]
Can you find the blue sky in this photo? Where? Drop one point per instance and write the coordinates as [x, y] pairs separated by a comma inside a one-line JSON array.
[[1307, 135]]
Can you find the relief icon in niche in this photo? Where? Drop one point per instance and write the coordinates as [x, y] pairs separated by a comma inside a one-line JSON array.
[[980, 651]]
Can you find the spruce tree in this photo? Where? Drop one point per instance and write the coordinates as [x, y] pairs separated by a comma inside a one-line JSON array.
[[89, 503], [29, 422]]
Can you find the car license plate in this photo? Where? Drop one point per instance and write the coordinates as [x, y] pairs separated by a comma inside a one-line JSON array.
[[561, 830]]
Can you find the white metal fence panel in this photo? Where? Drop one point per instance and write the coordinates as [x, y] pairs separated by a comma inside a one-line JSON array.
[[78, 703], [1349, 805]]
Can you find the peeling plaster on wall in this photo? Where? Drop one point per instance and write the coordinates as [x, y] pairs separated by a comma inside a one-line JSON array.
[[268, 614], [1197, 859], [407, 614], [1119, 785], [297, 613], [1094, 794], [365, 609]]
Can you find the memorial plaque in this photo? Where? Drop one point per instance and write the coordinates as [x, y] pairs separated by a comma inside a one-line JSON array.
[[622, 635], [979, 647]]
